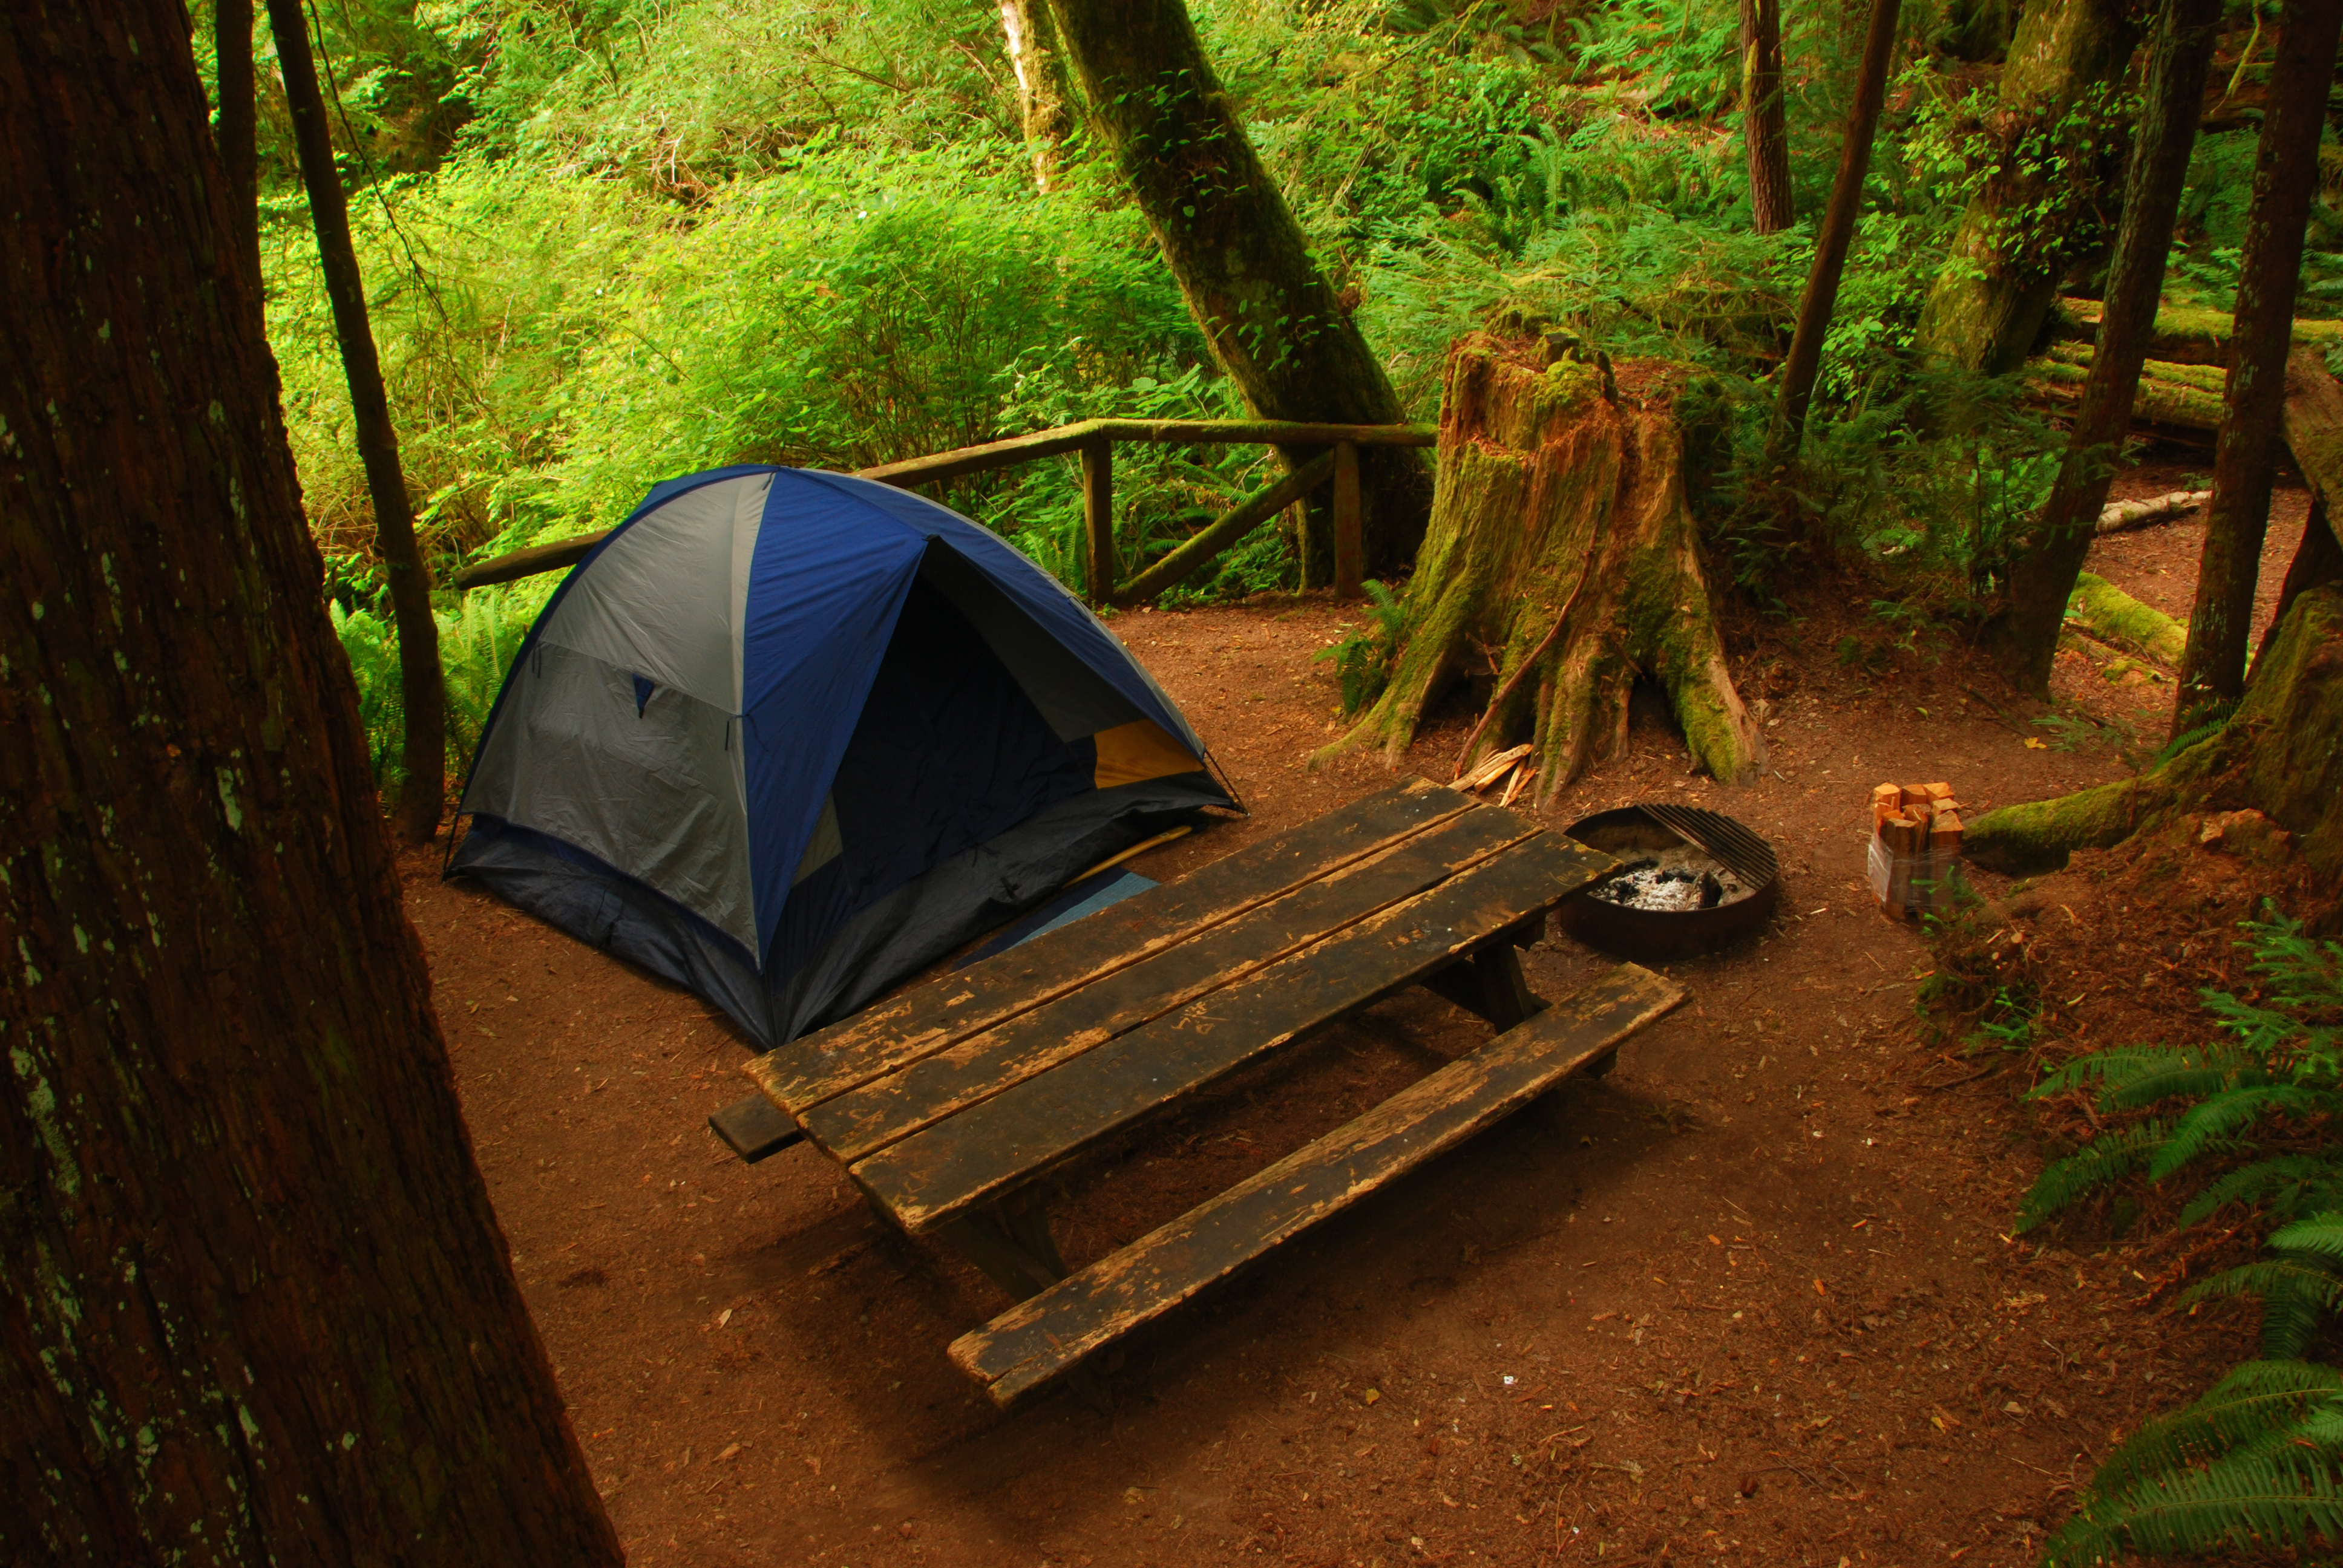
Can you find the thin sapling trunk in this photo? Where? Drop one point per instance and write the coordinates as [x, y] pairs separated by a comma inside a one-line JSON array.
[[421, 687], [1821, 297]]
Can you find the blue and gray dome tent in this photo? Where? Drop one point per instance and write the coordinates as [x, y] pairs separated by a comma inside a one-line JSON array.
[[786, 736]]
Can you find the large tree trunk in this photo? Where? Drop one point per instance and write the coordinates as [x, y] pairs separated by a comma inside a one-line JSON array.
[[236, 128], [2041, 579], [1271, 319], [1044, 93], [1821, 297], [257, 1308], [2281, 754], [2245, 461], [1765, 138], [2060, 109], [1560, 544], [422, 690]]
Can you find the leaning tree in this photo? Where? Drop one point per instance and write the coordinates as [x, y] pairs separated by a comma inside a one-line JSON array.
[[257, 1308], [1561, 563], [2056, 133], [1273, 322]]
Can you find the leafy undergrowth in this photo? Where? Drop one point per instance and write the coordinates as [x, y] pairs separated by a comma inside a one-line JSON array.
[[2185, 1027]]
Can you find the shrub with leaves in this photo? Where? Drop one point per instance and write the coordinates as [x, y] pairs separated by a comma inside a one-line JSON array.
[[2254, 1463]]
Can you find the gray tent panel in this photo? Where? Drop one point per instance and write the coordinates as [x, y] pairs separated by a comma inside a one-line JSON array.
[[651, 791]]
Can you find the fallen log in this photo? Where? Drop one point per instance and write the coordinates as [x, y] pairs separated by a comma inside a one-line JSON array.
[[2117, 619], [2118, 517], [2183, 334]]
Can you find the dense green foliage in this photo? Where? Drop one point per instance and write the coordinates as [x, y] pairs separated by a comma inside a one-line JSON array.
[[611, 241], [2258, 1460]]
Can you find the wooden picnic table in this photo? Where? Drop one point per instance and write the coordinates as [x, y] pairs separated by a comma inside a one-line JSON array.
[[957, 1104]]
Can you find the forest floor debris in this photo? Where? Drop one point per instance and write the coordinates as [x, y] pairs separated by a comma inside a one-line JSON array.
[[1750, 1298]]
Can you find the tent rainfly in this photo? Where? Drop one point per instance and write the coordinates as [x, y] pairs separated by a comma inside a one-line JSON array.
[[786, 737]]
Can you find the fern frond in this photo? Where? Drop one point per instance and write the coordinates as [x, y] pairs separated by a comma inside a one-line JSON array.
[[2286, 1184], [2320, 1236], [2278, 1495], [2113, 1068], [2096, 1163], [2216, 720], [2215, 1126], [2254, 1400], [2297, 1296], [2198, 1080]]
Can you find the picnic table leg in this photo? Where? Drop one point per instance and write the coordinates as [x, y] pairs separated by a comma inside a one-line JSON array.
[[1489, 983], [1010, 1242]]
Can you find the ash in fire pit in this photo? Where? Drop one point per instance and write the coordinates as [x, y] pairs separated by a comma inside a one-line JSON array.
[[1673, 879], [1689, 881]]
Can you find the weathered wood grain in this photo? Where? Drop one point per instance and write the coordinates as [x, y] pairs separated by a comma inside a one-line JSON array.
[[929, 1018], [994, 1146], [1045, 1336], [879, 1112], [754, 1128]]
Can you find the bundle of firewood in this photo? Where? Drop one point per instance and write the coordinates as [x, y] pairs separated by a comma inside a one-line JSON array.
[[1916, 838]]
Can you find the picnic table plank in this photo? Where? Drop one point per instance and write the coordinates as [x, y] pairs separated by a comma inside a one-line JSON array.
[[868, 1119], [1050, 1332], [937, 1173], [930, 1017]]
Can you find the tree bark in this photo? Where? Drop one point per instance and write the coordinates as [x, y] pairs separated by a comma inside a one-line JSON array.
[[1272, 321], [2058, 136], [2245, 459], [1560, 544], [1765, 138], [1044, 93], [257, 1308], [2317, 563], [422, 691], [1821, 297], [236, 129], [2041, 578]]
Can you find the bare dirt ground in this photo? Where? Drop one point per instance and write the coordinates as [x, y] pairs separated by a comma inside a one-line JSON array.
[[1750, 1298]]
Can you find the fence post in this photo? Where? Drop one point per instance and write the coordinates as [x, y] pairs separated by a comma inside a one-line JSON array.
[[1098, 519], [1349, 547]]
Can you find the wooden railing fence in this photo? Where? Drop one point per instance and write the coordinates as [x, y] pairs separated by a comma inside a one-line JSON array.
[[1095, 440]]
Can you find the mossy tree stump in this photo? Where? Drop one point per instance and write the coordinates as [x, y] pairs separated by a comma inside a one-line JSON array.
[[1561, 558], [2281, 753]]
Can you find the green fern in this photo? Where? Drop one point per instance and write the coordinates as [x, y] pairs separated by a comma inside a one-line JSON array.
[[2320, 1236], [2214, 720], [2286, 1184], [2269, 1495], [2297, 1294], [2093, 1166], [2251, 1403], [2130, 1077], [2215, 1125], [1362, 660]]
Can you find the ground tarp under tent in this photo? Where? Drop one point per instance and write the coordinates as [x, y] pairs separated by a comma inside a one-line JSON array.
[[786, 737]]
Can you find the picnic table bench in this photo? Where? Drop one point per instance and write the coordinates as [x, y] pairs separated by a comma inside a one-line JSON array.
[[952, 1104]]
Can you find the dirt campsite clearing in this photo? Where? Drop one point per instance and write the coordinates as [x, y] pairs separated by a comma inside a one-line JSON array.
[[1750, 1298]]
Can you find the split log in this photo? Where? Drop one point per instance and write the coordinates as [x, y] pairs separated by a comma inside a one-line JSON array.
[[2281, 754], [1561, 546], [2120, 516]]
